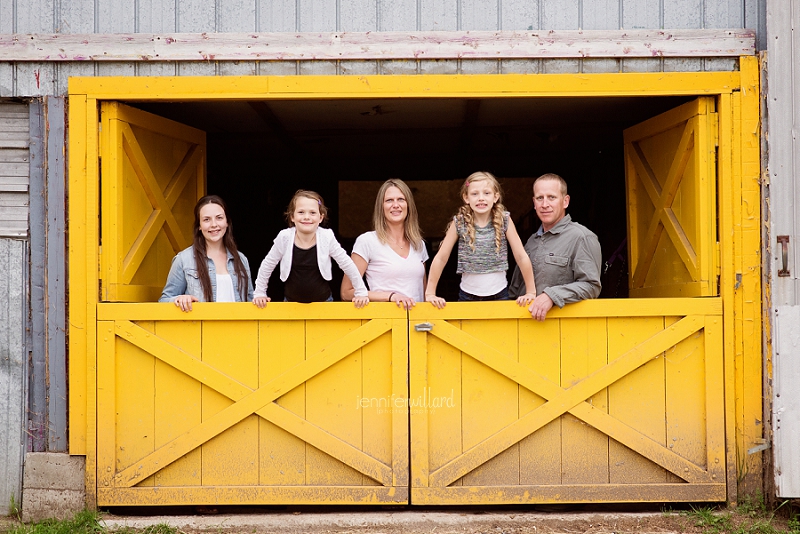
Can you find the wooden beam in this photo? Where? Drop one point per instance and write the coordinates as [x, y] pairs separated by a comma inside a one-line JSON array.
[[376, 45]]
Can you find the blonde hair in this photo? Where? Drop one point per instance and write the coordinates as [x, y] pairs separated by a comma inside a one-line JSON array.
[[410, 225], [312, 195], [555, 178], [465, 213]]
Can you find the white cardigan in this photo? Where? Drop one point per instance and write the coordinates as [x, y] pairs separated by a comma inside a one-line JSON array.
[[327, 247]]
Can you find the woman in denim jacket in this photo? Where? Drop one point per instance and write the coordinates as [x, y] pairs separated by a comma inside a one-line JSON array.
[[212, 269]]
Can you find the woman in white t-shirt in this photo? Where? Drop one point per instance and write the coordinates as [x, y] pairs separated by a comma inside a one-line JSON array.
[[392, 256]]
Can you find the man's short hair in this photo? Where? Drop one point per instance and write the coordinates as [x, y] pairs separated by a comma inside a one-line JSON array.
[[555, 177]]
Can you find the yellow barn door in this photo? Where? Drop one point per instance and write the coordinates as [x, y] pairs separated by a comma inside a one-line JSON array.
[[670, 176], [153, 173]]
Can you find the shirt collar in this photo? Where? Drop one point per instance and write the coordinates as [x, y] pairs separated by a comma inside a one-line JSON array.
[[558, 228]]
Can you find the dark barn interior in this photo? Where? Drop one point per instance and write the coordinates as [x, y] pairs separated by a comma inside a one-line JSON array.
[[261, 152]]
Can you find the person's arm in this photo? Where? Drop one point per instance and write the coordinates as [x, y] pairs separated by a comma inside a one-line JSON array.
[[523, 263], [249, 277], [438, 264], [268, 264], [175, 288], [586, 260], [360, 293], [348, 291]]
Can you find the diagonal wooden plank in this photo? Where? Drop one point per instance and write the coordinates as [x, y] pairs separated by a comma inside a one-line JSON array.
[[181, 176], [141, 245], [648, 250], [647, 176], [328, 443], [141, 168], [252, 402], [558, 404], [234, 390], [681, 241]]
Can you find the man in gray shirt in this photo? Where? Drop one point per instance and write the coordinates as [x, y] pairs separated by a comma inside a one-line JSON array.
[[566, 256]]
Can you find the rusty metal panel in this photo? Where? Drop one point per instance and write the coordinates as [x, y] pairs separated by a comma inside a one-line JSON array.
[[13, 358]]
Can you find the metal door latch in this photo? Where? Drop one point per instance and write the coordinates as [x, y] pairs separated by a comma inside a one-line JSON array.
[[423, 327], [784, 241]]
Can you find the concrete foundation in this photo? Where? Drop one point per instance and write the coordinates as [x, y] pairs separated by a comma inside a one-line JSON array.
[[52, 486]]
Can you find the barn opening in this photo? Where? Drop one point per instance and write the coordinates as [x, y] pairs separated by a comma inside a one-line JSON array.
[[260, 152]]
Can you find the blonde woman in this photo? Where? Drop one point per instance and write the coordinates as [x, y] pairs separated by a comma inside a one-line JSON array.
[[393, 255]]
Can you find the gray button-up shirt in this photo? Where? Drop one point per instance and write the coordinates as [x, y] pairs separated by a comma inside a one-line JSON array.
[[566, 263]]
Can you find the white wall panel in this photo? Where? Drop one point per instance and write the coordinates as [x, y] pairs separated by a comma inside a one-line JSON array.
[[156, 16], [278, 16], [684, 13], [600, 15], [639, 14], [236, 16], [196, 16], [358, 15], [397, 15], [519, 15], [65, 70], [34, 16], [318, 16], [14, 169], [77, 16], [115, 16], [439, 15], [724, 14], [479, 15], [7, 16], [560, 14]]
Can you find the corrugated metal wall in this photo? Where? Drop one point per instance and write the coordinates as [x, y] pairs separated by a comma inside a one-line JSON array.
[[14, 163], [193, 16], [783, 101], [13, 256]]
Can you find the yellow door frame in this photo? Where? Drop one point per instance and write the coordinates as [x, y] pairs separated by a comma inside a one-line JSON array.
[[738, 170]]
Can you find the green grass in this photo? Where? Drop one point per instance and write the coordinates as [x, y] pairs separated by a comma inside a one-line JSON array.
[[86, 522], [752, 516]]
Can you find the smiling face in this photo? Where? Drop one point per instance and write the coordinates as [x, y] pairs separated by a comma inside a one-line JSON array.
[[213, 222], [395, 206], [481, 196], [549, 202], [306, 215]]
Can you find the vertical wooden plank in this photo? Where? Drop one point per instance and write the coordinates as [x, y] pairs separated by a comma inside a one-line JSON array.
[[686, 391], [445, 368], [317, 16], [714, 399], [282, 456], [750, 261], [331, 398], [637, 400], [490, 402], [114, 16], [727, 285], [519, 15], [231, 458], [723, 14], [584, 449], [540, 453], [134, 375], [683, 14], [277, 15], [439, 15], [376, 387], [105, 452], [641, 14], [479, 15], [178, 403], [358, 16], [79, 273], [400, 376], [397, 15], [111, 158], [420, 442]]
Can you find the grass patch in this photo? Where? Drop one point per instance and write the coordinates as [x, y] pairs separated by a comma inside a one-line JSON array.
[[752, 516], [86, 522]]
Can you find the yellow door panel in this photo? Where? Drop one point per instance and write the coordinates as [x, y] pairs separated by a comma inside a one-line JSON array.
[[153, 173], [569, 410], [245, 406], [670, 175]]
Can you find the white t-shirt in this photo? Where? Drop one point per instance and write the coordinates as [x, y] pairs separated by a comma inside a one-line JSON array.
[[388, 271], [225, 288]]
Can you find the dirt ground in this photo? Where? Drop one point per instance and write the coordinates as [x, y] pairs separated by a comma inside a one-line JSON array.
[[513, 521]]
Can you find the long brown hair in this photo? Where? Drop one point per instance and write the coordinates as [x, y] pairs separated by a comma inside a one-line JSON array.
[[410, 225], [465, 213], [201, 258]]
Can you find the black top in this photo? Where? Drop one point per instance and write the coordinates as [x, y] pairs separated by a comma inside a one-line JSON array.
[[305, 283]]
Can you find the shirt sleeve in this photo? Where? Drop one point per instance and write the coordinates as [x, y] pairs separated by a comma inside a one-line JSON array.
[[267, 266], [176, 281], [586, 270], [362, 247], [249, 277], [349, 268]]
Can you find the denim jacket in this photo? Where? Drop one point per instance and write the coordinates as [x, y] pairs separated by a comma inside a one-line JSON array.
[[184, 280]]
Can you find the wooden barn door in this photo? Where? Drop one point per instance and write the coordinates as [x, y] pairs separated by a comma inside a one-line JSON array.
[[153, 173], [294, 404], [670, 176], [605, 401]]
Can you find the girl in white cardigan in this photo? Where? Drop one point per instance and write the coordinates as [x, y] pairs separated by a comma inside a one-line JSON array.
[[304, 251]]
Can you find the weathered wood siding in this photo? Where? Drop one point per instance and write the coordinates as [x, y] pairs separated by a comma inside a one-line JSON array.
[[14, 163], [783, 81], [227, 16]]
